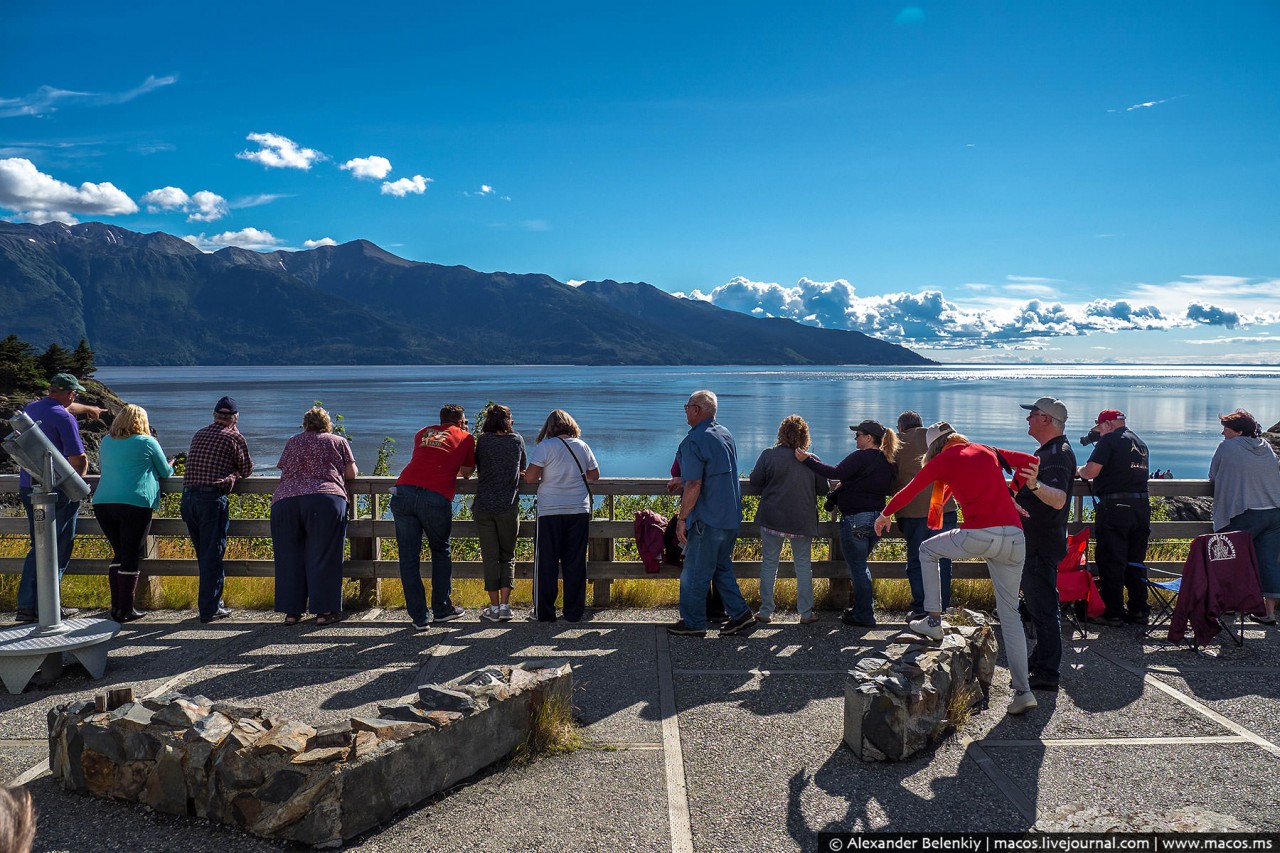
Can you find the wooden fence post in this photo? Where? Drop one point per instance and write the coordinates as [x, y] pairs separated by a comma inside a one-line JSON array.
[[368, 590], [841, 588], [602, 550], [149, 585]]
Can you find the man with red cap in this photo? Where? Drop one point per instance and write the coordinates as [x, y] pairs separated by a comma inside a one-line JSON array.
[[1119, 468]]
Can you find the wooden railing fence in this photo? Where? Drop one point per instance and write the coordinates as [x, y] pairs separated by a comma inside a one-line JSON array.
[[367, 528]]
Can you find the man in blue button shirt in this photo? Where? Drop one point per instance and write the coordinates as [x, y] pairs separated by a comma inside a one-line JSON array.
[[710, 515]]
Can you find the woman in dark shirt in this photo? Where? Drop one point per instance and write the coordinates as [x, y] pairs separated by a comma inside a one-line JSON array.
[[500, 463], [866, 479]]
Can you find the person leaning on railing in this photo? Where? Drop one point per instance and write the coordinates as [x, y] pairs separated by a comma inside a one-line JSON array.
[[1246, 496], [309, 520], [788, 511], [128, 493], [218, 456], [866, 479], [500, 465], [562, 465]]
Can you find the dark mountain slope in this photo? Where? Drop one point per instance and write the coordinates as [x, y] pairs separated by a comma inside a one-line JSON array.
[[155, 299]]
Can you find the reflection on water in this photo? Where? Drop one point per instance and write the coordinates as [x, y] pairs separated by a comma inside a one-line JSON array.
[[632, 416]]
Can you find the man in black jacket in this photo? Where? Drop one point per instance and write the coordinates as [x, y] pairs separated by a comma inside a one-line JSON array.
[[1119, 468]]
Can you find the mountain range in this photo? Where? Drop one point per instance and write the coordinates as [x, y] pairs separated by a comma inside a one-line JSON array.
[[142, 299]]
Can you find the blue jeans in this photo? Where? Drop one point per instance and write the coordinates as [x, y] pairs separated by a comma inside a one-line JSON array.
[[857, 538], [801, 551], [708, 556], [419, 511], [204, 509], [915, 531], [64, 521], [1263, 526]]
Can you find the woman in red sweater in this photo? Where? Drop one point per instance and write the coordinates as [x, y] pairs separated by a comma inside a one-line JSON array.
[[991, 530]]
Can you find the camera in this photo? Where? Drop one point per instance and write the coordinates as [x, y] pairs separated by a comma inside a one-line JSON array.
[[1089, 438]]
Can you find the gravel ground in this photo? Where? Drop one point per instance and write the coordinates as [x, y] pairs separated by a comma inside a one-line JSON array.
[[764, 762], [1233, 779]]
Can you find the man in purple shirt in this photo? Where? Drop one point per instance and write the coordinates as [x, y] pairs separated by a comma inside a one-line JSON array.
[[60, 427], [218, 457]]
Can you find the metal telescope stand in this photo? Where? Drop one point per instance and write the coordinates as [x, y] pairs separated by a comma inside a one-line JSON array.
[[28, 648]]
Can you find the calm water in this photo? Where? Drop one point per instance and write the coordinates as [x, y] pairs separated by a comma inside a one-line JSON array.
[[633, 420]]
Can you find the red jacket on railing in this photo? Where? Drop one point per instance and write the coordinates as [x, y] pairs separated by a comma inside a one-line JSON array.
[[650, 528], [1221, 576]]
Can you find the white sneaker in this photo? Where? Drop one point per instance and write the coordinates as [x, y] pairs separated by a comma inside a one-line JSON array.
[[504, 613], [929, 626], [1022, 703], [490, 613]]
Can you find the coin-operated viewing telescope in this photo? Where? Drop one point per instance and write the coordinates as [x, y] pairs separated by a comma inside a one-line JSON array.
[[31, 447], [25, 649]]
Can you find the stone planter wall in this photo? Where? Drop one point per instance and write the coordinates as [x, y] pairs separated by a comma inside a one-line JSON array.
[[893, 709], [281, 778]]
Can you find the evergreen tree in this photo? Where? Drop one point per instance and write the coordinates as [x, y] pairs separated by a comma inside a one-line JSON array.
[[55, 360], [19, 372], [82, 360]]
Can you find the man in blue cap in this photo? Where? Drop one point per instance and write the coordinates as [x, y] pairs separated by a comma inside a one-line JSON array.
[[54, 415], [219, 456]]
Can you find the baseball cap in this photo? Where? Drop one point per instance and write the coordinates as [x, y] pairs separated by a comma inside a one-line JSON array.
[[65, 382], [227, 406], [1053, 408], [937, 431], [872, 428], [1109, 415]]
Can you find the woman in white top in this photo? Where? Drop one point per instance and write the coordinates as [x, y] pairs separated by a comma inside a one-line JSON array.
[[562, 465]]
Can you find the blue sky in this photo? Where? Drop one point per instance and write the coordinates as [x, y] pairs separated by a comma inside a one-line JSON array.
[[980, 181]]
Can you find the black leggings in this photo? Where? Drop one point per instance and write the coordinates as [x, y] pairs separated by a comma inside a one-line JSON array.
[[125, 527]]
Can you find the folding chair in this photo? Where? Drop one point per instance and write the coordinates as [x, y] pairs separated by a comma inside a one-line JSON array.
[[1163, 590], [1078, 594], [1218, 587]]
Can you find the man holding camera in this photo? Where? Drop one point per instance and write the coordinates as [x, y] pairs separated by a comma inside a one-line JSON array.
[[1045, 499], [1119, 468]]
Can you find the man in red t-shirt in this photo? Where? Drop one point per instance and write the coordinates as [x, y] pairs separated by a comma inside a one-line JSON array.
[[423, 503]]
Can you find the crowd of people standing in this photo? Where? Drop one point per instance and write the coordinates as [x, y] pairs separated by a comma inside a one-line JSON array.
[[1012, 512]]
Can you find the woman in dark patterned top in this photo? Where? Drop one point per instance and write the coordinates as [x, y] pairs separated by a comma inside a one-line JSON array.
[[309, 520], [500, 464]]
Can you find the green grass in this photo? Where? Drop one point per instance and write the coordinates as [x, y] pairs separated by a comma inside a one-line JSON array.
[[179, 593]]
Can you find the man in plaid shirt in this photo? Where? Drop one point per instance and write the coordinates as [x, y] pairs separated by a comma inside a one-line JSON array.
[[218, 457]]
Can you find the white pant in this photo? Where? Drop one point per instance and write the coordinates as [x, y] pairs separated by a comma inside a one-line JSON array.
[[1005, 550]]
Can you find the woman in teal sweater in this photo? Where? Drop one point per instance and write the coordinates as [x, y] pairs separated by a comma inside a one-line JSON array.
[[132, 465]]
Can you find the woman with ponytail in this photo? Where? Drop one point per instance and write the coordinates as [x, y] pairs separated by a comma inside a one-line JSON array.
[[991, 530], [866, 479], [1246, 496]]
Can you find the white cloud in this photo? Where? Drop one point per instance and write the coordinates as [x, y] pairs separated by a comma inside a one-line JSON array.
[[255, 200], [203, 206], [486, 191], [371, 168], [1148, 104], [280, 152], [253, 239], [929, 319], [323, 241], [37, 197], [166, 198], [47, 99], [401, 188]]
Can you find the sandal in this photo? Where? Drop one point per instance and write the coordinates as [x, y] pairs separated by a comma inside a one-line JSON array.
[[291, 618], [328, 618]]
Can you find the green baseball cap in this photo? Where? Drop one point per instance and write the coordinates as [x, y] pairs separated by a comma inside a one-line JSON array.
[[65, 382]]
